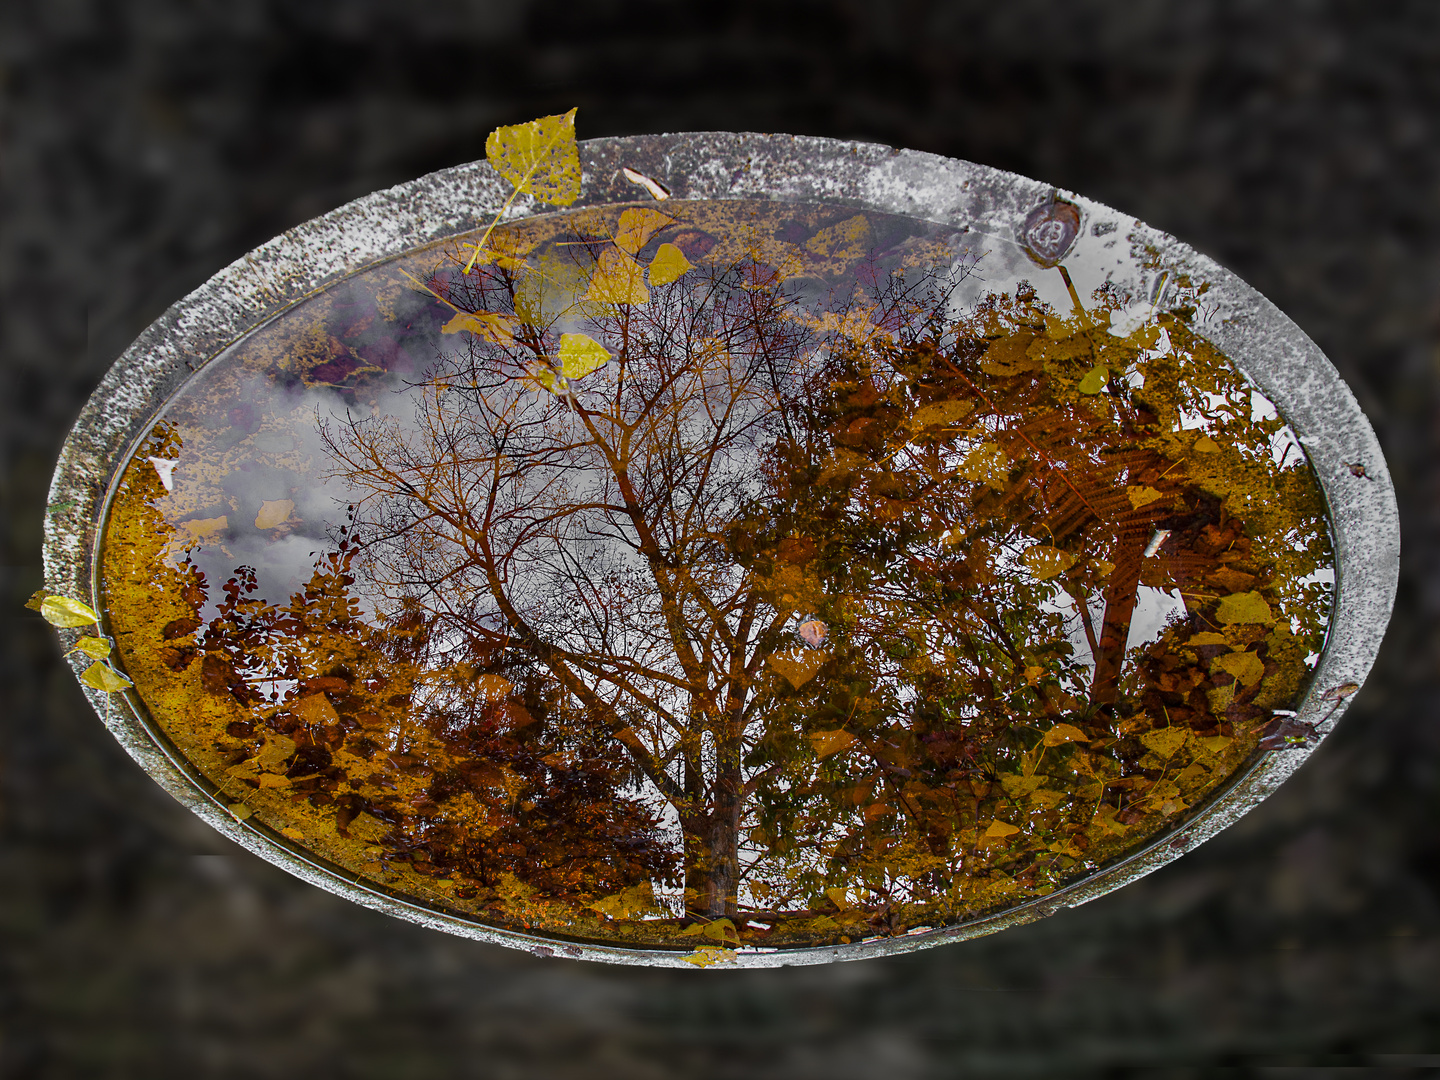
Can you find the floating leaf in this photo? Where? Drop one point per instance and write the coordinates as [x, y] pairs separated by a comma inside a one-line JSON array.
[[722, 930], [1141, 495], [274, 512], [617, 280], [637, 227], [496, 328], [1046, 562], [1247, 668], [1246, 607], [165, 469], [1094, 380], [999, 830], [1064, 733], [987, 463], [543, 374], [839, 897], [493, 687], [813, 632], [102, 676], [628, 903], [849, 239], [97, 648], [1010, 356], [798, 666], [825, 743], [650, 184], [580, 354], [669, 264], [1208, 637], [62, 611], [1165, 741], [539, 158], [940, 413], [292, 833]]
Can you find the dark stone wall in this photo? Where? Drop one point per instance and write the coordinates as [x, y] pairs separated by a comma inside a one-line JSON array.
[[146, 143]]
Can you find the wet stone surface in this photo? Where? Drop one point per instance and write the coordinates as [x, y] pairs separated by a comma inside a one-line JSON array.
[[719, 575]]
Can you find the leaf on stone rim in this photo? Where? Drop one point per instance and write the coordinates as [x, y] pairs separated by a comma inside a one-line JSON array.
[[539, 158], [580, 354], [669, 264], [64, 612], [97, 648], [101, 676], [617, 279], [483, 324]]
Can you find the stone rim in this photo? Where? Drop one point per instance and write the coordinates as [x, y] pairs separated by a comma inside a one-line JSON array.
[[1268, 348]]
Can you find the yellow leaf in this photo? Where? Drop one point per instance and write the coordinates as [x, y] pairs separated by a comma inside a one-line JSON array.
[[539, 158], [707, 955], [1165, 741], [1247, 668], [1216, 744], [628, 903], [999, 830], [669, 264], [36, 601], [1219, 697], [826, 743], [292, 833], [542, 374], [316, 711], [940, 413], [1017, 787], [987, 463], [197, 529], [1208, 637], [722, 930], [1246, 607], [617, 280], [580, 354], [1064, 733], [798, 666], [493, 687], [103, 677], [97, 648], [273, 512], [1046, 562], [848, 239], [838, 897], [1140, 495], [483, 324], [1206, 445], [637, 227], [1094, 380], [62, 611]]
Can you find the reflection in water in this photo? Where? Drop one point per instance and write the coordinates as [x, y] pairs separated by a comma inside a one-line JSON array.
[[747, 574]]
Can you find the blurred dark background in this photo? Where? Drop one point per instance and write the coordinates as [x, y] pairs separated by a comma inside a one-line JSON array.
[[144, 144]]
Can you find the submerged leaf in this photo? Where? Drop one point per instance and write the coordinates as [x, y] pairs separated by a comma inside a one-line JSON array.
[[539, 158], [999, 830], [1064, 733], [798, 666], [64, 612], [1095, 380], [1247, 668], [637, 227], [1140, 495], [1246, 607], [826, 743], [274, 512], [669, 264], [1165, 741], [581, 354], [1046, 562], [940, 413], [102, 676], [988, 464]]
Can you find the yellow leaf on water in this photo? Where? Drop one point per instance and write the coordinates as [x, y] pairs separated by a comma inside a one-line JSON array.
[[1064, 733], [580, 354], [1247, 668], [940, 413], [1046, 562], [999, 830], [1141, 495], [493, 687], [1216, 744], [1206, 445], [539, 158], [798, 666], [826, 743], [629, 903], [722, 930], [849, 239], [62, 611], [274, 512], [1165, 741], [315, 710], [617, 279], [292, 833], [1094, 380], [987, 463], [1017, 787], [198, 529], [102, 676], [637, 227], [669, 264], [1208, 637], [1246, 607], [97, 648], [838, 897], [483, 324]]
